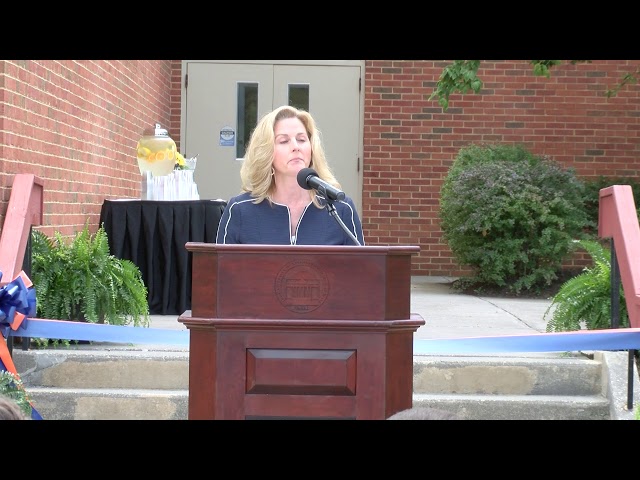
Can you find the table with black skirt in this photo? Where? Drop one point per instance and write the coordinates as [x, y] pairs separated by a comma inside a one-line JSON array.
[[152, 234]]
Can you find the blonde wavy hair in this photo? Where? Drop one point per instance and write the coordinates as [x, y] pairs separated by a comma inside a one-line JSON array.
[[255, 172]]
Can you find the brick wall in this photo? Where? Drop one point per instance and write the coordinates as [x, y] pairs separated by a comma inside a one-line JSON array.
[[409, 142], [75, 124]]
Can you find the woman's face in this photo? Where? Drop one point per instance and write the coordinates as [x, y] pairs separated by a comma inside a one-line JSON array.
[[292, 149]]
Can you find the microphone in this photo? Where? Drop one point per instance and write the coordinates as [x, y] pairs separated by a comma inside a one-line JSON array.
[[308, 178]]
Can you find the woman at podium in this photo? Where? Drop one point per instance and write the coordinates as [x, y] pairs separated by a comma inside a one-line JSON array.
[[287, 189]]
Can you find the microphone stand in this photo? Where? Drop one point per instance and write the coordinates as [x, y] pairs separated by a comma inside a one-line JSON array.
[[332, 211]]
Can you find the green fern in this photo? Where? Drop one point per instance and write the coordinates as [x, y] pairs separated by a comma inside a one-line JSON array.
[[80, 280], [584, 301]]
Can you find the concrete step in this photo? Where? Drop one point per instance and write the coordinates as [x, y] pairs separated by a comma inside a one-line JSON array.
[[75, 368], [95, 384], [571, 375], [512, 388], [518, 407], [141, 384], [55, 403]]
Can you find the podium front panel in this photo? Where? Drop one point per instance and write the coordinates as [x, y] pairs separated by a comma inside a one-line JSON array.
[[302, 369], [296, 282]]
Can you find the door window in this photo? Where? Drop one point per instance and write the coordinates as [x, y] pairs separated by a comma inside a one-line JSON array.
[[299, 96], [247, 115]]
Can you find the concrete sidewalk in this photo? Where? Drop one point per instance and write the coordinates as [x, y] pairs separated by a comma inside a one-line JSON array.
[[449, 314]]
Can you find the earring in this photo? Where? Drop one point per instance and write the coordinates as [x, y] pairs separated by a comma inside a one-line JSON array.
[[273, 171]]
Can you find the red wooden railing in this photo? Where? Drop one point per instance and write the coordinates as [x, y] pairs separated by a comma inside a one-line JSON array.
[[23, 211], [618, 220]]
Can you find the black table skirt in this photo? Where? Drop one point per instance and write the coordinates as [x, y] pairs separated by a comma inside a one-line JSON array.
[[153, 234]]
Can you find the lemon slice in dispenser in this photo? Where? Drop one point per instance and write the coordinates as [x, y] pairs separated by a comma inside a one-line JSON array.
[[143, 152]]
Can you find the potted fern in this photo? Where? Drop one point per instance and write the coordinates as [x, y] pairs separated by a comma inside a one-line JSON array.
[[80, 280]]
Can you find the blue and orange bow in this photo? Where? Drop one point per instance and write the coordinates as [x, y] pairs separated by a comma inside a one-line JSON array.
[[17, 302]]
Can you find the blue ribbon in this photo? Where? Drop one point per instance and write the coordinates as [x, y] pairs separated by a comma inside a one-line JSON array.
[[16, 297], [98, 332], [582, 340]]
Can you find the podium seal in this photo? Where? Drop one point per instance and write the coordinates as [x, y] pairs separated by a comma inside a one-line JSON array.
[[301, 287]]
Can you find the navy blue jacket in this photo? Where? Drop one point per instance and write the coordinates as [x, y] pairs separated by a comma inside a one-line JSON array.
[[245, 222]]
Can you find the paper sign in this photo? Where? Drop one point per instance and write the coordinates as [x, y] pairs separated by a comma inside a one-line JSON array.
[[227, 137]]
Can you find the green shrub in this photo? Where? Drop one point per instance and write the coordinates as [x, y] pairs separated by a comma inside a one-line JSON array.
[[12, 387], [584, 301], [482, 154], [511, 216]]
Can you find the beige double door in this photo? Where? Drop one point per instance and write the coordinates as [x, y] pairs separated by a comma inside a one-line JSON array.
[[222, 99]]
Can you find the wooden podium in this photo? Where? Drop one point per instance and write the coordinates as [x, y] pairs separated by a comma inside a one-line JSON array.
[[300, 332]]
